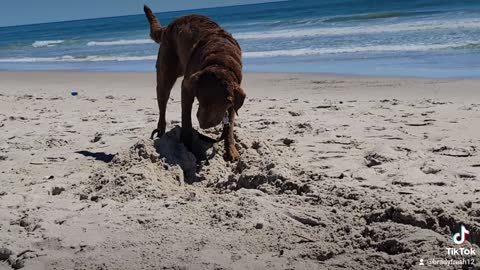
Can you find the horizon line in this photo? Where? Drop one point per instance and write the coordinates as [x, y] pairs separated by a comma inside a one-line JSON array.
[[167, 11]]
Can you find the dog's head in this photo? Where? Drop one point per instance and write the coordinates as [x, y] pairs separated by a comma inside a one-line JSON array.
[[217, 94]]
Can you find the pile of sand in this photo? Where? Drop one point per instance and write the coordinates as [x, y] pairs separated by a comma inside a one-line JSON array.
[[153, 168]]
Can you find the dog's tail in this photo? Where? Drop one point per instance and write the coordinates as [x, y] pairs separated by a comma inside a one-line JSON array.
[[156, 31]]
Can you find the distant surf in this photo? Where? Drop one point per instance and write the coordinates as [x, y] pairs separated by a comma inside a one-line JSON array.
[[380, 48], [418, 37], [119, 42], [69, 58], [356, 30], [259, 54], [378, 15], [46, 43]]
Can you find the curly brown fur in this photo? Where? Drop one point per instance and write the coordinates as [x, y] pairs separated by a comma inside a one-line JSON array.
[[210, 60]]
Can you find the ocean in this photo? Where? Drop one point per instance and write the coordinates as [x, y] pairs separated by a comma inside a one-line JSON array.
[[422, 38]]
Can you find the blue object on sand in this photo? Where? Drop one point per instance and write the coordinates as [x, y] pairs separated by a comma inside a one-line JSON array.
[[74, 93]]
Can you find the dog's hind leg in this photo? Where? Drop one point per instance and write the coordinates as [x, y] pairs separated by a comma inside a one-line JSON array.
[[167, 73]]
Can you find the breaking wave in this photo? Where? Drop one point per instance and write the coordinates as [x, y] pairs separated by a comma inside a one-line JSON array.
[[120, 42], [335, 31], [68, 58], [46, 43]]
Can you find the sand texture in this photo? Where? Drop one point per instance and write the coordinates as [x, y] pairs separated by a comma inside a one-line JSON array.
[[335, 173]]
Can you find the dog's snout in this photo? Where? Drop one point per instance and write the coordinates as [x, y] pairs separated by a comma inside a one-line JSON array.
[[207, 119], [204, 124]]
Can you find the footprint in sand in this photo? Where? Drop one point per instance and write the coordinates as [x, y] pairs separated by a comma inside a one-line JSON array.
[[452, 152], [304, 126], [430, 169], [379, 155], [419, 124], [329, 107], [295, 114], [467, 175], [97, 137], [376, 128], [436, 102]]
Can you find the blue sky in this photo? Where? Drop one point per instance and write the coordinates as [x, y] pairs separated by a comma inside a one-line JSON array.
[[18, 12]]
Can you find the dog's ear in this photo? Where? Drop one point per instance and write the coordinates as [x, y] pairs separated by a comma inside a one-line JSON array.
[[238, 98], [195, 77], [201, 77]]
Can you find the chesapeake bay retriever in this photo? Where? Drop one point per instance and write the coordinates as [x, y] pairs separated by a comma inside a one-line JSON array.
[[209, 58]]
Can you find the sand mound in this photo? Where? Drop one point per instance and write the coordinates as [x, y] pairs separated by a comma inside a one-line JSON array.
[[152, 168], [146, 169], [263, 166]]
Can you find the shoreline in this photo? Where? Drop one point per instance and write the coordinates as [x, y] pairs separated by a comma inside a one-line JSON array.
[[280, 73]]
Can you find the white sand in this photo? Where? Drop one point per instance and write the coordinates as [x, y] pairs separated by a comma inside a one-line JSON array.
[[380, 172]]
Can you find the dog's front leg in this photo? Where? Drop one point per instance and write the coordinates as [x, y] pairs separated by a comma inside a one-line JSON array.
[[231, 152], [166, 77], [187, 129]]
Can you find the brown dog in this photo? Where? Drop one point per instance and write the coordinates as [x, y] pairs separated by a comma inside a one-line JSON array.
[[209, 58]]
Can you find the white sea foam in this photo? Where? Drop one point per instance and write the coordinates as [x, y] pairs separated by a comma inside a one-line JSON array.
[[388, 28], [259, 54], [68, 58], [46, 43], [119, 42], [376, 48]]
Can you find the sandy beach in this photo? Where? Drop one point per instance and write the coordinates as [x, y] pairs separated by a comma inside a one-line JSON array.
[[336, 172]]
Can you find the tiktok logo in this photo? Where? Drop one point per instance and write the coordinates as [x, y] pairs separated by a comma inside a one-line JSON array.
[[460, 237]]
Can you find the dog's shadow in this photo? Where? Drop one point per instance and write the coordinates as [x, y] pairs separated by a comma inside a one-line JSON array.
[[174, 152], [100, 156]]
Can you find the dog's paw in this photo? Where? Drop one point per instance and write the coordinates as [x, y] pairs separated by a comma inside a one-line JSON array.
[[156, 132], [232, 154]]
